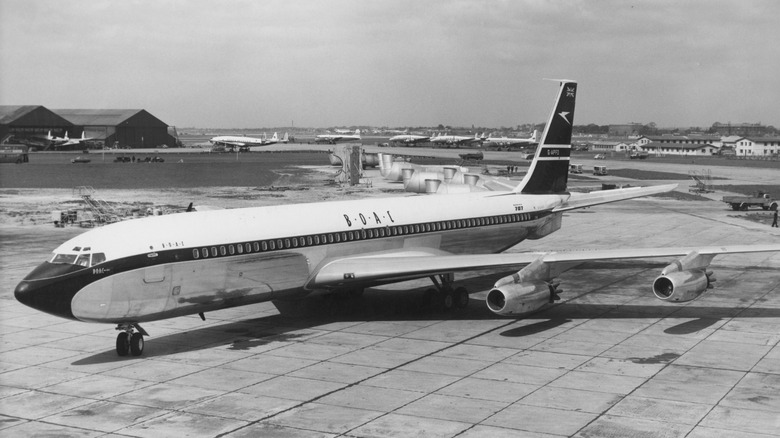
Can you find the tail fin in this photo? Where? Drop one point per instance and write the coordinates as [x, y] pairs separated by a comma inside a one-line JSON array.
[[66, 136], [535, 136], [275, 137], [549, 170], [286, 138], [357, 132]]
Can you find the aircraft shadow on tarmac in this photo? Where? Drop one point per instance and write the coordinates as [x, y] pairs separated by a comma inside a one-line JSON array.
[[409, 305]]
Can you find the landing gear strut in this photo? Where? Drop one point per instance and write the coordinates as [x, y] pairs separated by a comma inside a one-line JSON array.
[[444, 297], [130, 340]]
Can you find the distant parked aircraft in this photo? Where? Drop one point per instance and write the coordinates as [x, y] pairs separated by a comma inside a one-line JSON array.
[[337, 138], [456, 139], [409, 138], [506, 141]]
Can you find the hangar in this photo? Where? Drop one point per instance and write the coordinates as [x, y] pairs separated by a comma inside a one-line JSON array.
[[131, 128], [30, 124]]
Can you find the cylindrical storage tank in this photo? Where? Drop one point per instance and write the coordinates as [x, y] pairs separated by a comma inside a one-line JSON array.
[[470, 179], [396, 171], [432, 185], [449, 172], [417, 182], [387, 164], [406, 174], [370, 159]]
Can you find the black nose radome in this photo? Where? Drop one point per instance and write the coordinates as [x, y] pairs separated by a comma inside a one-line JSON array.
[[47, 296]]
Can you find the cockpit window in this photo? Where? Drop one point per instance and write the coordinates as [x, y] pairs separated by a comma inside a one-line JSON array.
[[66, 259], [85, 260]]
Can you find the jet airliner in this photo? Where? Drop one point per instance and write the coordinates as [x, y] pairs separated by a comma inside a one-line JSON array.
[[149, 269]]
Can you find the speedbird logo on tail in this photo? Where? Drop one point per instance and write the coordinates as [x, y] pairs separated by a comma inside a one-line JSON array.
[[564, 114]]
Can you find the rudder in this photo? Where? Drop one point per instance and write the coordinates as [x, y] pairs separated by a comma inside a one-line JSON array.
[[549, 171]]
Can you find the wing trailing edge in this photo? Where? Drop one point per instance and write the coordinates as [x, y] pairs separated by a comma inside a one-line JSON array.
[[582, 200]]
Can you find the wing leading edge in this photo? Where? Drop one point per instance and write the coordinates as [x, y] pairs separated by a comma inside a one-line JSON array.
[[388, 267]]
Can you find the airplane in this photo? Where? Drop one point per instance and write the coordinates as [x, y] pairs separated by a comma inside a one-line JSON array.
[[408, 138], [67, 141], [455, 139], [244, 142], [506, 141], [275, 139], [337, 138], [342, 131], [149, 269]]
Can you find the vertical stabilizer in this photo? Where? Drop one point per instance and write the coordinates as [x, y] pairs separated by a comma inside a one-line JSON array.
[[549, 171]]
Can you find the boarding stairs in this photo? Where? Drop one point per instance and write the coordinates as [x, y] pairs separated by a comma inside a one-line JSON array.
[[703, 181], [101, 211]]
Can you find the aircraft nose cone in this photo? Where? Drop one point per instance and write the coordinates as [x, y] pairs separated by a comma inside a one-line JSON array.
[[22, 292], [43, 297]]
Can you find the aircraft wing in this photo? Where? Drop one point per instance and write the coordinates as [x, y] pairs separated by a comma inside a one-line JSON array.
[[412, 263], [580, 200], [232, 143]]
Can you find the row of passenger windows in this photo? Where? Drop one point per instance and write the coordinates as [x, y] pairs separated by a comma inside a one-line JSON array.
[[348, 236]]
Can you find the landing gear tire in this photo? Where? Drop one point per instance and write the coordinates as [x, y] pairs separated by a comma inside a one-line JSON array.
[[136, 344], [123, 344], [461, 296], [447, 300]]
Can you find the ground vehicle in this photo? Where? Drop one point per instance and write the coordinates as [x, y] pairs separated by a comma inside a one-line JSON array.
[[575, 168], [599, 170], [759, 199], [600, 157], [14, 153]]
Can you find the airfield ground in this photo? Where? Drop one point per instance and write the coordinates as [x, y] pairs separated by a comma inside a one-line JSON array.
[[608, 360]]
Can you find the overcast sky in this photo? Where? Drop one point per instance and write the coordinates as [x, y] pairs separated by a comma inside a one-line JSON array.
[[242, 64]]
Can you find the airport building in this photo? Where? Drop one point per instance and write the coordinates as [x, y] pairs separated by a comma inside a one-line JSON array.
[[30, 121], [37, 126], [131, 128], [680, 145]]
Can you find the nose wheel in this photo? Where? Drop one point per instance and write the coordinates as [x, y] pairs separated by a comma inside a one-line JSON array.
[[130, 340]]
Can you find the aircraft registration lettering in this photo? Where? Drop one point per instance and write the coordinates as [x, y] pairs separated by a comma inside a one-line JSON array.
[[372, 218]]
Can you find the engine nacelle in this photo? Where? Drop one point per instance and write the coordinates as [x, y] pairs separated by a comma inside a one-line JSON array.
[[519, 298], [681, 286]]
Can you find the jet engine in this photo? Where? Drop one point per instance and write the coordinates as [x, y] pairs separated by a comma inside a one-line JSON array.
[[685, 279], [681, 286], [520, 298], [528, 290]]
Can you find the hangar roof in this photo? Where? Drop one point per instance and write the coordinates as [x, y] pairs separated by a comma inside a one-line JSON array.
[[9, 113], [31, 115], [97, 117]]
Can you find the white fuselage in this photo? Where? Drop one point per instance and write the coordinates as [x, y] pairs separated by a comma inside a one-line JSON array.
[[187, 263], [237, 139]]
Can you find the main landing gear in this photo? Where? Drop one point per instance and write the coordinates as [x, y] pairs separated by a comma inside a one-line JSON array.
[[444, 296], [130, 340]]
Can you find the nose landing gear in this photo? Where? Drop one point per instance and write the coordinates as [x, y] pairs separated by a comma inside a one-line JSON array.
[[130, 340]]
